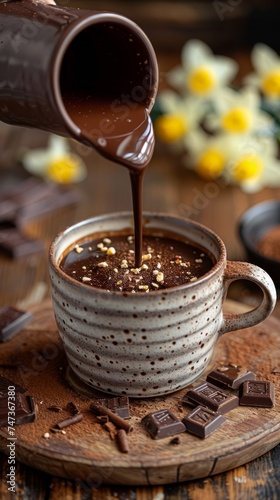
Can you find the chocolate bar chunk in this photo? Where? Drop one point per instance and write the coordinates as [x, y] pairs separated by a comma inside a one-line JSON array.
[[202, 421], [230, 376], [210, 396], [162, 423], [12, 321], [5, 384], [118, 405], [20, 411], [15, 244], [257, 393]]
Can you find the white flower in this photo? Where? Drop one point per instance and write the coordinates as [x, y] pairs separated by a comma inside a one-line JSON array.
[[254, 164], [266, 63], [209, 155], [56, 162], [202, 73], [239, 112], [180, 116], [248, 162]]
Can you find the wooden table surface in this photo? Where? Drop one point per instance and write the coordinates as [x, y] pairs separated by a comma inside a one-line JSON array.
[[169, 187]]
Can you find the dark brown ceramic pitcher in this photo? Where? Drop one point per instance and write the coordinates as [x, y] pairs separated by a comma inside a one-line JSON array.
[[50, 53]]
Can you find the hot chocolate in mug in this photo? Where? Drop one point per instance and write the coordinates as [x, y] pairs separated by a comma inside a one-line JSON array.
[[148, 344]]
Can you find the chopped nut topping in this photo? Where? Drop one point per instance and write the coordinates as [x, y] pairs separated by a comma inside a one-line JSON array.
[[100, 245], [131, 251], [116, 270], [160, 277], [155, 285], [86, 278], [130, 239], [155, 272], [147, 256], [90, 249], [135, 270], [124, 264], [144, 266], [159, 265], [198, 260], [84, 268], [193, 279], [183, 264], [107, 241], [104, 249], [102, 264], [78, 249], [119, 282], [143, 287], [111, 251]]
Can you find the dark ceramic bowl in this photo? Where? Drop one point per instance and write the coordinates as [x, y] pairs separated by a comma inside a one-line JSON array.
[[253, 225]]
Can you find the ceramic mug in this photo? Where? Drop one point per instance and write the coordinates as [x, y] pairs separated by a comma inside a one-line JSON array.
[[148, 344]]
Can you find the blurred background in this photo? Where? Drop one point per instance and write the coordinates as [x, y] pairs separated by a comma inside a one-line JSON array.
[[227, 26]]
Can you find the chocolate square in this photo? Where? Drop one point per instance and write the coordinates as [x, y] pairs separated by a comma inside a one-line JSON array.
[[12, 321], [5, 384], [202, 422], [259, 393], [118, 405], [230, 376], [210, 396], [162, 423]]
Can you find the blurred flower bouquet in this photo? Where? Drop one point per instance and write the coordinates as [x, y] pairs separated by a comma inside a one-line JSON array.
[[222, 131]]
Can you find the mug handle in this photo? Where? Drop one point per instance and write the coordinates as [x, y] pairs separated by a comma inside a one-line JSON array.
[[235, 271]]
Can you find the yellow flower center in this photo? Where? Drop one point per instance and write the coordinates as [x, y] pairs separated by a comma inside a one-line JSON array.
[[238, 120], [201, 80], [170, 128], [270, 84], [64, 169], [210, 164], [249, 166]]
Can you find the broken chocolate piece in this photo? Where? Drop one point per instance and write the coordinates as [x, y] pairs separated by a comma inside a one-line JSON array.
[[21, 410], [202, 421], [230, 376], [210, 396], [162, 423], [72, 408], [15, 244], [69, 421], [118, 405], [259, 393], [12, 321]]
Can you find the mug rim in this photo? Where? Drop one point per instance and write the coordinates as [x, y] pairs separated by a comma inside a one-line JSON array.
[[127, 214]]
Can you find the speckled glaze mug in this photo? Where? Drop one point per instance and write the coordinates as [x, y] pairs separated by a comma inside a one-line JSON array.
[[144, 345]]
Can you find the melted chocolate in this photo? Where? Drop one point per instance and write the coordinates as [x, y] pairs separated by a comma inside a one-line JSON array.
[[109, 263]]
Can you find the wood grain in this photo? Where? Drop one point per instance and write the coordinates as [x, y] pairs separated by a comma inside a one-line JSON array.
[[36, 359]]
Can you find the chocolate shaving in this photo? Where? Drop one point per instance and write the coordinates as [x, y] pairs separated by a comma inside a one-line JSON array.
[[115, 419], [69, 421], [122, 441], [109, 427]]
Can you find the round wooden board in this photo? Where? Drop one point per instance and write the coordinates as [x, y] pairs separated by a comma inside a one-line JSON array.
[[35, 360]]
